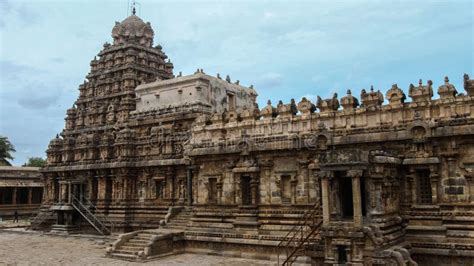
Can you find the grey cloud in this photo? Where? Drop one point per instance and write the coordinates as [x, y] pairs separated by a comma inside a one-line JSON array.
[[34, 102]]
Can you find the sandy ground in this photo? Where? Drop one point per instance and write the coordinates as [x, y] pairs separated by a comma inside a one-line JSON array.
[[37, 249]]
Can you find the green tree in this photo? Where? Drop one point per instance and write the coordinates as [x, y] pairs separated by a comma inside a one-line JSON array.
[[6, 150], [35, 162]]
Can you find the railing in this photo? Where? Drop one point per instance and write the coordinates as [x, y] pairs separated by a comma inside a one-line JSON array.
[[89, 216], [301, 235], [102, 217]]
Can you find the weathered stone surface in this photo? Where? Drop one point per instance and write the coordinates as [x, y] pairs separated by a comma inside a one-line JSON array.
[[383, 178]]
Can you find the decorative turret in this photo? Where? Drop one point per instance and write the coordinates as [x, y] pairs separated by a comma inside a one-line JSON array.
[[306, 107], [268, 111], [395, 95], [447, 90], [422, 93], [349, 102], [133, 30], [469, 85], [328, 105], [372, 98], [284, 110], [54, 150]]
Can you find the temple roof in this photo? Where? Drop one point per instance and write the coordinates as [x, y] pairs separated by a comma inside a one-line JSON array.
[[133, 29]]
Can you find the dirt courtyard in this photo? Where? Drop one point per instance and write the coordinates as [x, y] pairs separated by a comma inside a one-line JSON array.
[[37, 249]]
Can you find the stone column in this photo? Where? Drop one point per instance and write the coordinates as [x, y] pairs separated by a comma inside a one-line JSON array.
[[324, 176], [60, 193], [293, 183], [434, 183], [189, 184], [356, 197], [30, 194], [412, 180], [305, 178], [14, 196], [69, 194], [254, 189]]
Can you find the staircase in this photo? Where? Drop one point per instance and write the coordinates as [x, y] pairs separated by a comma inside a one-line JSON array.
[[147, 244], [180, 220], [130, 248], [92, 215], [303, 235], [41, 220]]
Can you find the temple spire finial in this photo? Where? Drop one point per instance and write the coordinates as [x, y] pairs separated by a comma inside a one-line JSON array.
[[134, 11]]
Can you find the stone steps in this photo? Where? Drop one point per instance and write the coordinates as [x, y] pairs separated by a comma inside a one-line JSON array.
[[130, 249]]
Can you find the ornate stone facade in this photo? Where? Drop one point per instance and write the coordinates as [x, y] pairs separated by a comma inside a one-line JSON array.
[[392, 179]]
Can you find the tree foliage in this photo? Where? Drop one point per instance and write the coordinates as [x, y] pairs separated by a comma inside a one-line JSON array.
[[35, 162], [6, 150]]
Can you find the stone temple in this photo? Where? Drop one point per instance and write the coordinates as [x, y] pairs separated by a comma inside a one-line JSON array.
[[191, 164]]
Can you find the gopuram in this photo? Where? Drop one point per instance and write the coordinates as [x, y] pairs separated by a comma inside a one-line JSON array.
[[191, 164]]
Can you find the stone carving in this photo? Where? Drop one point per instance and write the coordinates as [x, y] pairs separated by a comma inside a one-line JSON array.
[[284, 110], [395, 95], [422, 93], [145, 160], [306, 107], [349, 102], [268, 111], [328, 105], [372, 98], [447, 90], [468, 85]]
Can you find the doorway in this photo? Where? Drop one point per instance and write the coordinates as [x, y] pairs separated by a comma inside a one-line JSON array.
[[424, 187], [246, 191], [285, 189], [212, 197], [346, 199]]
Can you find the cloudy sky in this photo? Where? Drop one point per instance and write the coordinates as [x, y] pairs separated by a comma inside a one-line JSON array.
[[287, 49]]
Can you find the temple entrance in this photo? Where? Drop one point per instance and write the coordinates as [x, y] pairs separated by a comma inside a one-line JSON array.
[[424, 187], [56, 190], [341, 254], [245, 190], [345, 196], [285, 189], [212, 197], [159, 189]]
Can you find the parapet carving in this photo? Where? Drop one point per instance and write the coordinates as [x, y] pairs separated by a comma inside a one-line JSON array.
[[285, 110], [395, 95], [469, 85], [422, 93], [328, 105], [306, 107], [268, 111], [447, 90], [349, 102], [372, 98]]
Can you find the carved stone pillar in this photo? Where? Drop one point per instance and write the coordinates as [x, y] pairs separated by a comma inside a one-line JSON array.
[[293, 183], [305, 178], [69, 193], [254, 189], [14, 196], [325, 176], [412, 182], [189, 184], [434, 176], [356, 196], [30, 193]]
